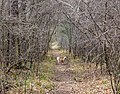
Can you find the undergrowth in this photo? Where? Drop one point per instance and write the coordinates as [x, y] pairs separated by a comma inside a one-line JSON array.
[[28, 82]]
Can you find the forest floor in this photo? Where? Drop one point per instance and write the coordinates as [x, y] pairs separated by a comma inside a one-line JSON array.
[[78, 78], [72, 77]]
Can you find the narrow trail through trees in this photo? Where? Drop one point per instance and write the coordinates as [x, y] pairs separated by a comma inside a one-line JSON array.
[[64, 79], [65, 82]]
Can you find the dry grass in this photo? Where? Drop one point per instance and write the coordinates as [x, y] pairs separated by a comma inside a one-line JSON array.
[[28, 82]]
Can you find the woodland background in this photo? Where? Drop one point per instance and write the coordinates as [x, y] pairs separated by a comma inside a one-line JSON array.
[[86, 29]]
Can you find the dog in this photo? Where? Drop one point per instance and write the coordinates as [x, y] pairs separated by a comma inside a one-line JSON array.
[[61, 59]]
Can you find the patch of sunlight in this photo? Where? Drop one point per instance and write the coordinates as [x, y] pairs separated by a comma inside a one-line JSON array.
[[55, 45]]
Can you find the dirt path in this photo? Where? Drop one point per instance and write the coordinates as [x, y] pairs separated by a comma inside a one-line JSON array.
[[64, 81], [64, 78]]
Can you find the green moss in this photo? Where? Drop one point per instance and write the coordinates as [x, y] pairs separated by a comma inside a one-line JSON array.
[[104, 82]]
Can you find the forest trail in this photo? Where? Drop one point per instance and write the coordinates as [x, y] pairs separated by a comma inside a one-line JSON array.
[[65, 82], [64, 78]]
